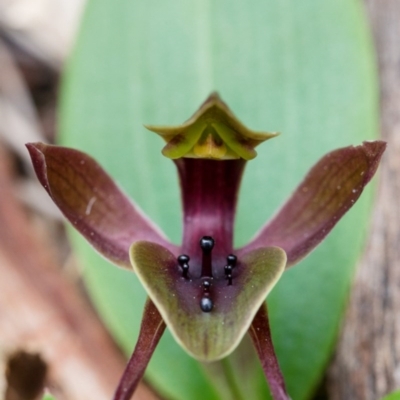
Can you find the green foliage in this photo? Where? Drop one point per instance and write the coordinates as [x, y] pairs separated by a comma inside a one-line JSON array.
[[303, 68], [392, 396], [48, 396]]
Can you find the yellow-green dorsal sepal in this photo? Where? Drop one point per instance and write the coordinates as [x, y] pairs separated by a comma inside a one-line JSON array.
[[213, 132]]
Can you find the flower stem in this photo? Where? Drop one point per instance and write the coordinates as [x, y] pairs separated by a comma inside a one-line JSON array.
[[151, 331], [260, 333], [223, 377], [233, 385]]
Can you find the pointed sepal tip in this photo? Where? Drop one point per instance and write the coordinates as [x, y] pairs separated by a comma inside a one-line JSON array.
[[213, 132]]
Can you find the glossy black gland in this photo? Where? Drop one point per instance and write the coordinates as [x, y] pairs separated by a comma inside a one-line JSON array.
[[207, 243], [206, 285], [185, 267], [231, 259], [183, 259], [185, 270], [206, 304], [228, 269]]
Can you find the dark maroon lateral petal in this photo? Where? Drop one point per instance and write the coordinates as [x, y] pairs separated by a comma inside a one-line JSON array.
[[329, 190], [92, 202], [150, 334], [260, 334]]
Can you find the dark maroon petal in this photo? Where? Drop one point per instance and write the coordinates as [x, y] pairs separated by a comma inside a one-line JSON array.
[[329, 190], [209, 196], [211, 332], [92, 202], [260, 333], [150, 333]]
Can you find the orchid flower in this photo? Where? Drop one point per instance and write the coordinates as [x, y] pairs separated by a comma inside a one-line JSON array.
[[206, 292]]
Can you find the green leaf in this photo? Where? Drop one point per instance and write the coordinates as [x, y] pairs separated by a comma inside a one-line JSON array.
[[48, 396], [392, 396], [302, 68]]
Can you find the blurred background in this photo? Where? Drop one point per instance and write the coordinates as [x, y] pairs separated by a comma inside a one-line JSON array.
[[44, 313], [43, 306]]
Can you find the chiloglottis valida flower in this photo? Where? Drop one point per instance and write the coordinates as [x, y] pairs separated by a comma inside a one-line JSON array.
[[205, 291]]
